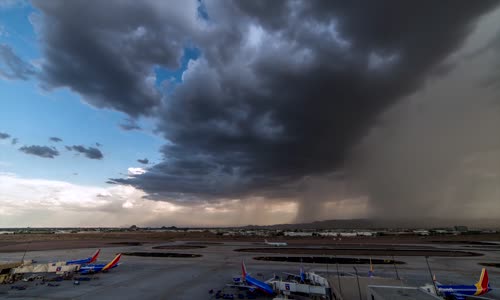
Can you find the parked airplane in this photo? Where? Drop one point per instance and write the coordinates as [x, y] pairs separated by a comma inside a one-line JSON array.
[[84, 261], [276, 244], [95, 268], [461, 292], [253, 284]]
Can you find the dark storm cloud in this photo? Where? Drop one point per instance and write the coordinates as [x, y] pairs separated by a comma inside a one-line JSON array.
[[89, 152], [55, 139], [12, 66], [108, 57], [258, 112], [282, 90], [42, 151], [4, 135], [143, 161], [129, 125]]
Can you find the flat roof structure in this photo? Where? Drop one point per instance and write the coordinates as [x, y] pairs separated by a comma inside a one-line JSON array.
[[375, 292], [348, 289]]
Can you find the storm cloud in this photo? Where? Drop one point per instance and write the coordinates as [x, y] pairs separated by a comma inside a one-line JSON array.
[[41, 151], [4, 135], [55, 139], [108, 58], [292, 97], [143, 161], [89, 152], [282, 91], [12, 66]]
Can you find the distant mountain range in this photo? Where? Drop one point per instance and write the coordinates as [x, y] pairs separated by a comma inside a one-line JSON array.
[[425, 223], [380, 224]]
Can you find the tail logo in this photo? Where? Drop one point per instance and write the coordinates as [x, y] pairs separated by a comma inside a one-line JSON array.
[[243, 270], [112, 263], [483, 283], [94, 257]]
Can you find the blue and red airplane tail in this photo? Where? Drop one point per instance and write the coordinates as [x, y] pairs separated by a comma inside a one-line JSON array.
[[243, 270], [112, 263], [85, 261], [94, 257], [483, 285]]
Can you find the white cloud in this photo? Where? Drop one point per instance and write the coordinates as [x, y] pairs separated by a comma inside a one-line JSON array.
[[135, 171], [51, 203]]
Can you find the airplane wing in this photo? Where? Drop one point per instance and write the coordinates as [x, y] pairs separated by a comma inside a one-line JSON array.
[[242, 286], [459, 296]]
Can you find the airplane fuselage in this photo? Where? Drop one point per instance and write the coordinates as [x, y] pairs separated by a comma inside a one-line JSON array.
[[453, 290], [276, 244], [84, 261], [266, 288], [95, 268]]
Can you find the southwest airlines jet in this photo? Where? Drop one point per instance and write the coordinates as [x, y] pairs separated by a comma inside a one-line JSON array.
[[95, 268], [253, 284], [461, 292], [84, 261]]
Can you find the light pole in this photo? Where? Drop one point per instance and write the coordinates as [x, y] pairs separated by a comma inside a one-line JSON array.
[[357, 279]]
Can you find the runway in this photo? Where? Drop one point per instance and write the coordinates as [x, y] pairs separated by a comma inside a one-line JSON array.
[[191, 278]]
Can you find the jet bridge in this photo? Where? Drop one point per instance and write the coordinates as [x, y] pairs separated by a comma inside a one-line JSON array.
[[56, 267], [314, 285]]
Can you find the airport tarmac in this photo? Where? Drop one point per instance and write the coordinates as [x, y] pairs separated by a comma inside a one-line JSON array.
[[191, 278]]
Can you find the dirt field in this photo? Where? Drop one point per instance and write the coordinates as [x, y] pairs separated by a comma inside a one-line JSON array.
[[36, 242]]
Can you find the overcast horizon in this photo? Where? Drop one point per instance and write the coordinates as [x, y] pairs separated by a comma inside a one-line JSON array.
[[207, 113]]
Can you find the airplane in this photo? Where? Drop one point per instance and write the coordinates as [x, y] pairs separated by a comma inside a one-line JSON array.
[[252, 284], [461, 292], [84, 261], [276, 244], [95, 268]]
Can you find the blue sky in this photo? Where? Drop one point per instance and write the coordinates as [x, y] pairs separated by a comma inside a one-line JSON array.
[[70, 189], [32, 115]]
